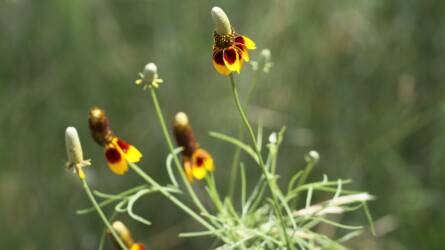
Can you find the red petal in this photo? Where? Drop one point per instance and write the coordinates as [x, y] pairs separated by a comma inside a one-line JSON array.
[[113, 155], [240, 40], [230, 55], [123, 145], [218, 57]]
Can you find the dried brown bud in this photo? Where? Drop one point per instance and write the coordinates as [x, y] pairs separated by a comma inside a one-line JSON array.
[[98, 123], [184, 134]]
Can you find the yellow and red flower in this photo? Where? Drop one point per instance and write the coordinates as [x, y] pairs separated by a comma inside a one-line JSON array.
[[125, 235], [198, 165], [117, 151], [230, 49], [197, 162]]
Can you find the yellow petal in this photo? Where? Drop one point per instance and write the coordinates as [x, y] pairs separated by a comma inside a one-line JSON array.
[[249, 43], [244, 53], [199, 172], [133, 154], [218, 62], [208, 164], [231, 59], [115, 159], [137, 246], [119, 168], [202, 159], [188, 170], [222, 69], [81, 173]]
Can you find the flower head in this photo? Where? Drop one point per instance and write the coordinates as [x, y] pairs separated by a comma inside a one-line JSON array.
[[149, 77], [197, 162], [229, 48], [74, 152], [117, 151], [125, 235]]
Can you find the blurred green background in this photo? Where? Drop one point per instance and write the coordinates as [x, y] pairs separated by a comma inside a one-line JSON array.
[[360, 81]]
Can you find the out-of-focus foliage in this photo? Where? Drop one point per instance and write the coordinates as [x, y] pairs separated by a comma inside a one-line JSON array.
[[360, 81]]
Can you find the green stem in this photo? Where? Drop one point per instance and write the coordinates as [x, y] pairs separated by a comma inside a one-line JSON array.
[[111, 199], [302, 181], [237, 154], [273, 188], [175, 157], [104, 232], [102, 215], [173, 199]]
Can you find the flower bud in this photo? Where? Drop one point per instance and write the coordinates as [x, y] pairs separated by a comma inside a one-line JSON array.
[[221, 21], [184, 134], [312, 157]]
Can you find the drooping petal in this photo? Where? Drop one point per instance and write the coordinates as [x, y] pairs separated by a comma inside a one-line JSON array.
[[203, 159], [199, 172], [242, 52], [245, 41], [132, 154], [115, 159], [137, 246], [188, 170], [218, 62], [231, 59]]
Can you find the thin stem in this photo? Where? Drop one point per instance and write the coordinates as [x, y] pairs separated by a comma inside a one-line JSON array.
[[173, 199], [273, 188], [111, 199], [102, 215], [172, 149], [307, 171], [104, 232], [237, 154]]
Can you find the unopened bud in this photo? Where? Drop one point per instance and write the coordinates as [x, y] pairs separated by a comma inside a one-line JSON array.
[[312, 157]]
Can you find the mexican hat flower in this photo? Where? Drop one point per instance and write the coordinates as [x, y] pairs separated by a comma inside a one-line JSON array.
[[197, 162], [125, 235], [117, 151], [229, 48]]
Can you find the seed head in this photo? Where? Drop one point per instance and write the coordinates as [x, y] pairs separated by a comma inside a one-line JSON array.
[[123, 232], [149, 77], [184, 134], [74, 152], [221, 21], [98, 122]]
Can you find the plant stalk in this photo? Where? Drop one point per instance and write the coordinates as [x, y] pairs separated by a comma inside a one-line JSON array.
[[270, 183]]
